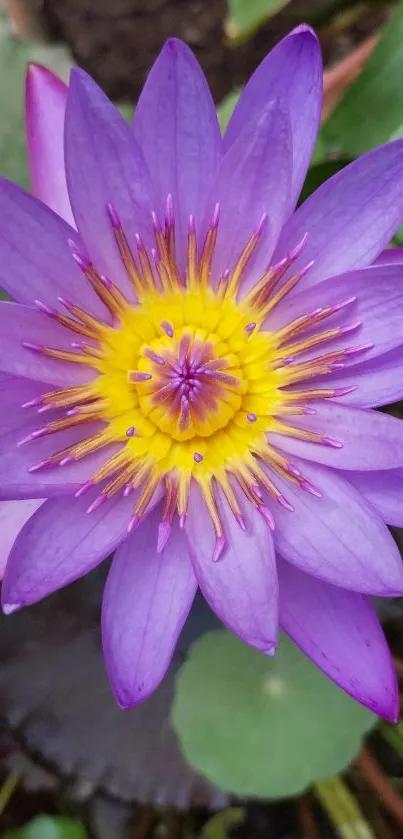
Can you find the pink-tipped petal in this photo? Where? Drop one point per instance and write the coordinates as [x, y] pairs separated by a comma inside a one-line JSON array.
[[365, 440], [351, 217], [340, 632], [146, 601], [339, 537], [105, 167], [13, 515], [241, 586], [45, 106], [292, 72]]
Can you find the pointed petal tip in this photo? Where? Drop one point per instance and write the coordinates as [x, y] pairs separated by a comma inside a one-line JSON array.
[[9, 608], [77, 74], [393, 715], [382, 697], [81, 79], [175, 44], [129, 696], [304, 29], [122, 700], [386, 707], [39, 78], [389, 709], [34, 71], [174, 49]]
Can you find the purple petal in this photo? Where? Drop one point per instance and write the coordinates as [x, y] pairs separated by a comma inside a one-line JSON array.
[[365, 439], [351, 217], [252, 180], [378, 381], [16, 479], [377, 308], [20, 324], [340, 632], [146, 602], [390, 257], [35, 256], [60, 543], [104, 166], [241, 587], [337, 537], [13, 515], [292, 71], [45, 105], [175, 125], [384, 491], [16, 422], [14, 392]]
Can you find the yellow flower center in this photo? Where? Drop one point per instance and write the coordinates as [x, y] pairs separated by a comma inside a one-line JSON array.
[[187, 381]]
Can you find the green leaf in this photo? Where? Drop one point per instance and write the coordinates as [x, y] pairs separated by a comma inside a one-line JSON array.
[[49, 827], [14, 57], [371, 111], [225, 108], [245, 16], [262, 726]]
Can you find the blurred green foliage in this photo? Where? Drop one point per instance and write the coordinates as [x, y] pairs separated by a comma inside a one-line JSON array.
[[14, 57], [221, 824], [49, 827], [226, 107], [245, 16], [371, 111]]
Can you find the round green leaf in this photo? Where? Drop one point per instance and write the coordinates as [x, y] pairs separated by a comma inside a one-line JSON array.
[[263, 726]]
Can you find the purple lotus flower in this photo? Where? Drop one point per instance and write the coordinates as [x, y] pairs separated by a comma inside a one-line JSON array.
[[188, 371]]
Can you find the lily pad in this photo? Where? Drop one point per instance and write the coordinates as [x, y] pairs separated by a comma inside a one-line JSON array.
[[261, 726]]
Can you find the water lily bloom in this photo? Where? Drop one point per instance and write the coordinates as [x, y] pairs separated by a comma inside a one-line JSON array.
[[189, 371]]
